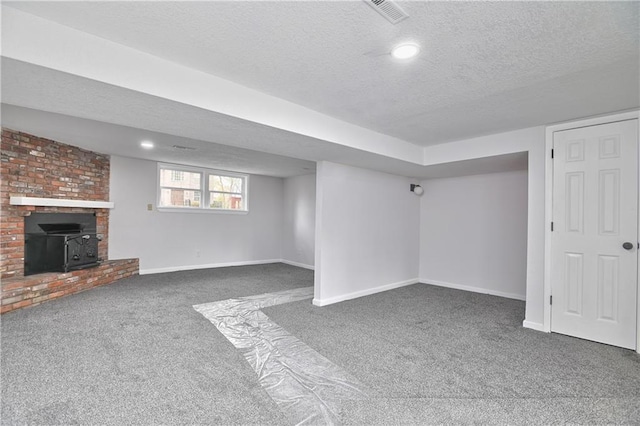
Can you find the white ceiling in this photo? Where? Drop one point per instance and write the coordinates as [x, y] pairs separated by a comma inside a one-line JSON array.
[[484, 68], [114, 139], [108, 138]]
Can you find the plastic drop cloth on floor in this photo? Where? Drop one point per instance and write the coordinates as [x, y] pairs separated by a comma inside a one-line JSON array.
[[306, 386]]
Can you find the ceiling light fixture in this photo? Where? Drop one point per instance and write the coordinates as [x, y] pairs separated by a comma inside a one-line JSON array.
[[146, 144], [405, 51]]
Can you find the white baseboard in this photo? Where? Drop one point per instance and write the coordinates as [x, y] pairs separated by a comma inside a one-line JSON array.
[[474, 289], [207, 266], [361, 293], [298, 264], [533, 325]]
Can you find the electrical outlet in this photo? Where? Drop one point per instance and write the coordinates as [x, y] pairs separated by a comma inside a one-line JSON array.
[[150, 207]]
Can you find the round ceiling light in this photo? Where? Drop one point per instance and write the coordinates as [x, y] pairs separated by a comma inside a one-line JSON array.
[[405, 51], [146, 144]]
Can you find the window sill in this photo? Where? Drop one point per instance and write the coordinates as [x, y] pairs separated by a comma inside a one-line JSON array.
[[188, 210]]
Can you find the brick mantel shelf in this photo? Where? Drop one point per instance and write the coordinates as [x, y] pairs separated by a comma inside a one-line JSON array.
[[59, 202]]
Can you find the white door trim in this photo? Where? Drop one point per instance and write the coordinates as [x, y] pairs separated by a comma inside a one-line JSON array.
[[548, 214]]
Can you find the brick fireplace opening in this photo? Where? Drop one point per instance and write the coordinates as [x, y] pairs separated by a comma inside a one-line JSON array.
[[39, 175]]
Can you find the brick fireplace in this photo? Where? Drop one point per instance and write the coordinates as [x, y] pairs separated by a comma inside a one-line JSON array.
[[57, 177]]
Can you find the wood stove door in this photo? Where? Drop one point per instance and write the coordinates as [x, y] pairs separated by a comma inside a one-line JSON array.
[[81, 251]]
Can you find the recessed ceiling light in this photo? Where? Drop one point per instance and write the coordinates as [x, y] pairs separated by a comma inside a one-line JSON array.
[[146, 144], [405, 51]]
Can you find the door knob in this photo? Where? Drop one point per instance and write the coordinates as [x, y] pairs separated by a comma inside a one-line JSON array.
[[627, 245]]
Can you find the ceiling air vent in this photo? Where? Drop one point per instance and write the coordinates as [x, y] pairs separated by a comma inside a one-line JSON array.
[[388, 9], [184, 148]]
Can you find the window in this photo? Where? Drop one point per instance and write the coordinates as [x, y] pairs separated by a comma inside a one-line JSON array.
[[225, 192], [201, 189]]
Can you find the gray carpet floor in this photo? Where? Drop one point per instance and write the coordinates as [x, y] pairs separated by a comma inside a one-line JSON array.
[[136, 352], [434, 355]]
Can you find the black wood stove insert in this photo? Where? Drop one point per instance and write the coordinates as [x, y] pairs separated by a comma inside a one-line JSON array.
[[60, 242]]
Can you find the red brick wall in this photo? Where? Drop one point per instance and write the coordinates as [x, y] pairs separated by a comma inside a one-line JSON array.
[[38, 167]]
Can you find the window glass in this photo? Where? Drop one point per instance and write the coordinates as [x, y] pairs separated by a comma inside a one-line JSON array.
[[225, 183], [180, 179], [179, 188], [226, 201], [171, 197]]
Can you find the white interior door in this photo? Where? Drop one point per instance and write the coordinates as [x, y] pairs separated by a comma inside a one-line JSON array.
[[594, 264]]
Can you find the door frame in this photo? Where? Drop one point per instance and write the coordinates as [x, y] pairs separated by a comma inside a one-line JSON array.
[[548, 214]]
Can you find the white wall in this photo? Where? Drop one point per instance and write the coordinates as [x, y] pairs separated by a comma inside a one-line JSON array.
[[473, 233], [530, 140], [173, 241], [298, 239], [367, 233]]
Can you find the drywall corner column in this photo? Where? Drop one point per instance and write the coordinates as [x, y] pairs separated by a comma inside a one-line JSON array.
[[317, 277], [534, 311], [367, 233], [299, 214]]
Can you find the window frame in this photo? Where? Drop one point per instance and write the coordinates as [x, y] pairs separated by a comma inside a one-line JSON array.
[[205, 191]]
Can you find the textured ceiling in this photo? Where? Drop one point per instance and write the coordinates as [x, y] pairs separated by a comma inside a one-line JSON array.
[[41, 90], [484, 68], [124, 141]]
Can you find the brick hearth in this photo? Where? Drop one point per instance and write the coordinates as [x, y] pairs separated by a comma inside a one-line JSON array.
[[21, 292]]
